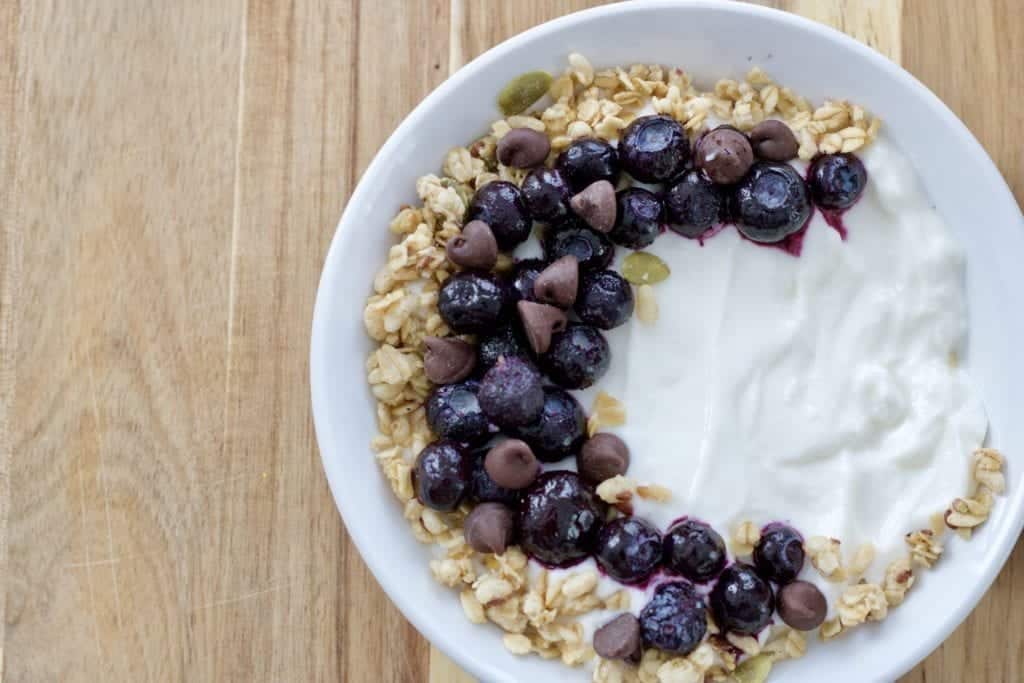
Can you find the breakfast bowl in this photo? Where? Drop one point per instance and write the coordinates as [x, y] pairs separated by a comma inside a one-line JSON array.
[[711, 40]]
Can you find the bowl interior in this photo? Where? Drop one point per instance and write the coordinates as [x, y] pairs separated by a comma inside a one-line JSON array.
[[711, 41]]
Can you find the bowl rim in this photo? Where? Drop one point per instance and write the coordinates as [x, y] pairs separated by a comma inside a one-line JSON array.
[[361, 535]]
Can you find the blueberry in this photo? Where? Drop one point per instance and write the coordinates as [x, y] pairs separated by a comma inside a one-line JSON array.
[[605, 299], [654, 148], [577, 357], [442, 475], [592, 249], [559, 431], [523, 276], [837, 180], [694, 550], [511, 393], [453, 412], [693, 204], [674, 620], [474, 302], [483, 489], [629, 549], [547, 194], [741, 600], [771, 202], [500, 205], [560, 519], [587, 160], [779, 555], [638, 218], [505, 341]]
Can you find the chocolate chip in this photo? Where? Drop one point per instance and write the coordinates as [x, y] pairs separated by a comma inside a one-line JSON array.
[[474, 247], [602, 457], [774, 140], [596, 205], [725, 155], [619, 638], [523, 148], [489, 528], [540, 321], [448, 359], [557, 284], [512, 464], [801, 605]]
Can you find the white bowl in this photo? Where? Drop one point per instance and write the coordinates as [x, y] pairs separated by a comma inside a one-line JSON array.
[[711, 40]]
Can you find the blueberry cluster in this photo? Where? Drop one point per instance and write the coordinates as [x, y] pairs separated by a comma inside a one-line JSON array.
[[502, 405]]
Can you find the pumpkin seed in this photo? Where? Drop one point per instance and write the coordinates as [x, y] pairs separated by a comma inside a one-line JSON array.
[[522, 91], [754, 670], [642, 268]]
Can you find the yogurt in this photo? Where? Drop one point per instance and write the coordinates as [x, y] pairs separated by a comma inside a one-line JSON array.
[[821, 390]]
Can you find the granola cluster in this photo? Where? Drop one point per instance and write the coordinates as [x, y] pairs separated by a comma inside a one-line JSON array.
[[539, 610]]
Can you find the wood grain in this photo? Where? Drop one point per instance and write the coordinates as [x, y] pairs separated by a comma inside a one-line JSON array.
[[171, 177]]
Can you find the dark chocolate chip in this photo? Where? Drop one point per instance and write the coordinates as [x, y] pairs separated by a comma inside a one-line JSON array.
[[474, 247], [512, 464], [489, 528], [725, 155], [557, 284], [540, 321], [801, 605], [619, 638], [596, 205], [774, 140], [602, 456], [448, 359], [523, 148]]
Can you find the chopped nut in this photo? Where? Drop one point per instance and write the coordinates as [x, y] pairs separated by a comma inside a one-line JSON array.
[[517, 644], [988, 469], [924, 547], [607, 411], [899, 577], [862, 559], [860, 603], [744, 538], [646, 305], [824, 555], [654, 492], [617, 491]]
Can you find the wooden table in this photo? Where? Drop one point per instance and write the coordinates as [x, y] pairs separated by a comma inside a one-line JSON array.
[[172, 172]]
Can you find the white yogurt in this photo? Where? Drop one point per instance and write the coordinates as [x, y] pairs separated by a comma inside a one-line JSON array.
[[822, 391]]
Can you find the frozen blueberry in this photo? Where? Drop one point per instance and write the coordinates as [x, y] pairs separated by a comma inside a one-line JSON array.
[[741, 600], [638, 219], [693, 204], [524, 274], [694, 550], [629, 549], [442, 475], [505, 341], [654, 148], [771, 202], [559, 431], [605, 299], [474, 302], [592, 249], [837, 180], [500, 205], [577, 357], [483, 489], [779, 554], [453, 412], [674, 620], [587, 160], [547, 194], [511, 393], [560, 519]]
